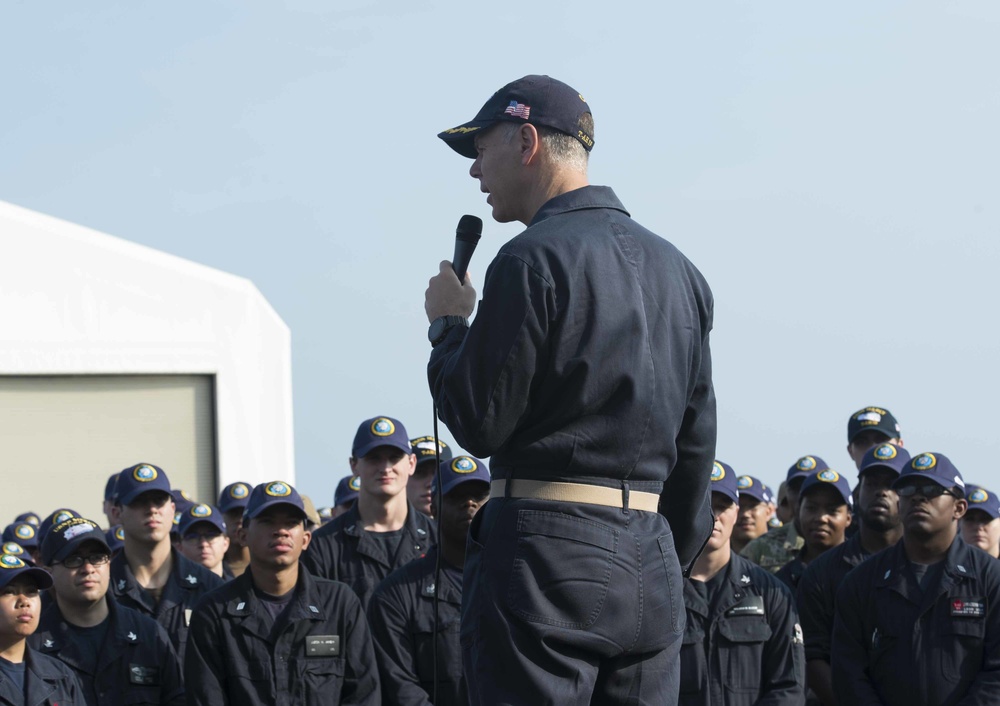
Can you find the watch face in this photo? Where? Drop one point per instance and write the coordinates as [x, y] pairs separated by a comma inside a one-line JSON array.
[[436, 330]]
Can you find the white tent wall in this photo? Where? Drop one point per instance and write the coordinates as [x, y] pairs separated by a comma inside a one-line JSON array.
[[74, 301]]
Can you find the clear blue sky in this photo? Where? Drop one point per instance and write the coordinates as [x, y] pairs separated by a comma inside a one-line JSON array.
[[831, 168]]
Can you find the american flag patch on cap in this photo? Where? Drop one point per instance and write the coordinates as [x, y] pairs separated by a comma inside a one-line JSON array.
[[518, 110]]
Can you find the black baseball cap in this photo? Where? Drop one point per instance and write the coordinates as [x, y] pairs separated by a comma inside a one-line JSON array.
[[271, 494], [30, 517], [234, 496], [754, 488], [138, 479], [459, 470], [110, 488], [828, 477], [23, 533], [805, 466], [423, 447], [876, 418], [347, 490], [981, 499], [724, 481], [890, 456], [200, 512], [380, 431], [537, 100], [13, 566], [934, 467], [63, 538], [57, 516]]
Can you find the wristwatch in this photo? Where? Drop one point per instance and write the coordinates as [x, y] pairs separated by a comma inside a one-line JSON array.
[[441, 325]]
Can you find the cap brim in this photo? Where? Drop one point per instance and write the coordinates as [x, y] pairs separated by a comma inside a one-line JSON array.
[[732, 496], [96, 535], [134, 495], [904, 477], [878, 465], [368, 448], [277, 503], [455, 482], [41, 576], [462, 138]]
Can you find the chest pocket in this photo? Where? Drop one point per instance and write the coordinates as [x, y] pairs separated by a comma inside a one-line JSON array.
[[741, 651], [322, 679], [961, 647]]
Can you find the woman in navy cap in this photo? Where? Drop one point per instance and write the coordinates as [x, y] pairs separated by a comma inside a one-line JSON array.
[[28, 677]]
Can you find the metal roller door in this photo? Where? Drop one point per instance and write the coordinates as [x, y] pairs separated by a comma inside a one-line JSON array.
[[61, 437]]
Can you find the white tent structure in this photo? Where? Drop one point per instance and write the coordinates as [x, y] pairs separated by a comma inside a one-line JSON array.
[[112, 353]]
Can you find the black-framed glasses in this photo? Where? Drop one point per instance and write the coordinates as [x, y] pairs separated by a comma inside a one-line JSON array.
[[929, 491], [76, 560]]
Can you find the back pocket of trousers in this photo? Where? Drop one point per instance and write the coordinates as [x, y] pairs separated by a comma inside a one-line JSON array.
[[562, 568]]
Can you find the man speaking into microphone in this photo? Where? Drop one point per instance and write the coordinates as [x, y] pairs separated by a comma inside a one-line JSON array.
[[586, 376]]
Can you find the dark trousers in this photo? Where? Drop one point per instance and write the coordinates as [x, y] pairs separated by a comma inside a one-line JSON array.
[[566, 603]]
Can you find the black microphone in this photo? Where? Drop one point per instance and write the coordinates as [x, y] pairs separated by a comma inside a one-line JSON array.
[[467, 235]]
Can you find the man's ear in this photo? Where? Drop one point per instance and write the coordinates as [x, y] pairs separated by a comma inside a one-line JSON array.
[[529, 142]]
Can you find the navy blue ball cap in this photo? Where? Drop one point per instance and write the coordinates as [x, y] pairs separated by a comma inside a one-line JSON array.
[[459, 470], [22, 533], [15, 549], [182, 501], [538, 100], [982, 499], [138, 479], [111, 488], [380, 431], [895, 458], [423, 447], [115, 538], [200, 512], [234, 496], [805, 466], [347, 490], [29, 517], [828, 478], [931, 466], [272, 494], [65, 537], [13, 566], [724, 481], [877, 418], [60, 515], [754, 488]]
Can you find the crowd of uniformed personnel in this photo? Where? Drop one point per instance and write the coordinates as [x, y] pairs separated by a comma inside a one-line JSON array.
[[886, 592]]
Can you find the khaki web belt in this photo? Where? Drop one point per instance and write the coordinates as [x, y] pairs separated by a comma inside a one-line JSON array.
[[575, 493]]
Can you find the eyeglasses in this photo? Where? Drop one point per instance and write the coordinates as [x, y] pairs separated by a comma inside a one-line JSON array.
[[76, 561], [198, 537], [929, 491]]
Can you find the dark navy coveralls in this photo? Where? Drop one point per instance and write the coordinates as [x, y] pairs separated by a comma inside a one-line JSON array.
[[320, 651], [746, 648], [136, 665], [187, 583], [401, 615], [341, 550], [791, 573], [894, 645], [48, 682], [588, 362], [817, 594]]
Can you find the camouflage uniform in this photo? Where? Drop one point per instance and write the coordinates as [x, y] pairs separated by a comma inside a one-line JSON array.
[[774, 549]]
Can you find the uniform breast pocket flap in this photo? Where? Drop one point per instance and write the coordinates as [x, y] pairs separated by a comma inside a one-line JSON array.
[[748, 629]]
